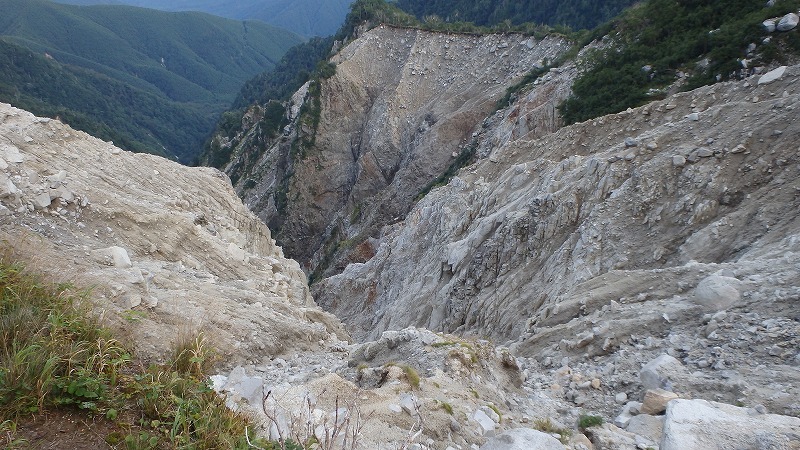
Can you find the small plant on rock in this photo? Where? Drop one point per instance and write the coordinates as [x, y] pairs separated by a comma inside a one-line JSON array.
[[411, 375], [586, 421], [547, 426]]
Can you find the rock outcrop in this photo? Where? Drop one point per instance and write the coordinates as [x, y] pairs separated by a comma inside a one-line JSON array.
[[170, 250], [400, 109]]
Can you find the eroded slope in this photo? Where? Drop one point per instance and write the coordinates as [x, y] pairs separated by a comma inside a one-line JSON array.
[[170, 249]]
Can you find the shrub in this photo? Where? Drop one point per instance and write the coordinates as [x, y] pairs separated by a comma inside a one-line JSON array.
[[586, 421]]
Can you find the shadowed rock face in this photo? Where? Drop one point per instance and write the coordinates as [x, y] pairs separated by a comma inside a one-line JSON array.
[[544, 238], [402, 103]]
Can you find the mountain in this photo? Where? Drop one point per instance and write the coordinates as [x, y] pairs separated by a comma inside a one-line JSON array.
[[307, 18], [180, 70], [507, 279]]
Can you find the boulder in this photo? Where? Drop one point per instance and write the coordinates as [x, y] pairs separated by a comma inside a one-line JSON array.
[[788, 22], [662, 372], [772, 75], [655, 401], [716, 293], [523, 439], [769, 25], [704, 425]]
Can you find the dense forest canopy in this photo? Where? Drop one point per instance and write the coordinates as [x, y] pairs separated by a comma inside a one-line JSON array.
[[660, 41], [158, 79], [307, 18], [576, 14]]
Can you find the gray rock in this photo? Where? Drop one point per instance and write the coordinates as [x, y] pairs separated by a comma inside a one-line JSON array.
[[769, 25], [716, 293], [704, 152], [621, 398], [41, 201], [678, 161], [704, 425], [409, 404], [631, 142], [693, 116], [772, 75], [662, 372], [651, 427], [523, 439], [628, 411], [788, 22], [739, 149]]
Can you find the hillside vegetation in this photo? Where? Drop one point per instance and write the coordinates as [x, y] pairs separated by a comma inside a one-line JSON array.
[[577, 14], [661, 41], [162, 77]]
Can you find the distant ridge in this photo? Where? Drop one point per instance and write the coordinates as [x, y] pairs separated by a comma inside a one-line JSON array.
[[307, 18], [189, 67]]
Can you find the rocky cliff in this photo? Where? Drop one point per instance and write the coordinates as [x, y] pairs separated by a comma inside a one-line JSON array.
[[166, 257], [669, 228], [402, 107]]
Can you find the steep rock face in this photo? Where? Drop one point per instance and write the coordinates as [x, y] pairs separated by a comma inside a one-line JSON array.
[[170, 249], [402, 105], [632, 208]]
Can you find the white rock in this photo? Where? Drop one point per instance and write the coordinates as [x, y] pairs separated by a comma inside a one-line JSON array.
[[788, 22], [704, 425], [772, 75], [523, 439], [120, 257], [11, 154], [487, 425], [769, 25], [245, 387]]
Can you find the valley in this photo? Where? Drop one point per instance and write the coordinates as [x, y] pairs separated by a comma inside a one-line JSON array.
[[416, 251]]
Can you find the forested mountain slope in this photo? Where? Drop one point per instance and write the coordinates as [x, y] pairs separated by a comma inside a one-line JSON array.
[[305, 17], [190, 66], [577, 14]]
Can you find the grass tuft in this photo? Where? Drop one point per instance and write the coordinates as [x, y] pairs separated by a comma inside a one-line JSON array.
[[411, 375], [54, 355], [547, 426]]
